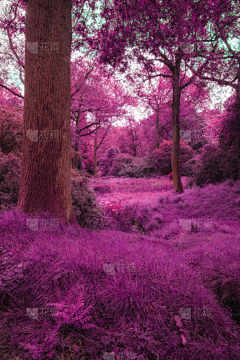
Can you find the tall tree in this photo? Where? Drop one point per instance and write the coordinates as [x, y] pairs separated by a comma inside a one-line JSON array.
[[45, 183], [161, 29]]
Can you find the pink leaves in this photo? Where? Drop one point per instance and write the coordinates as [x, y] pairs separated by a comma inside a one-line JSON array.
[[178, 318], [184, 341], [183, 332]]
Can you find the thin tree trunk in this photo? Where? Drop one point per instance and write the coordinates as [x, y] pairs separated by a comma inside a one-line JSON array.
[[95, 155], [75, 158], [45, 182], [177, 184], [157, 129]]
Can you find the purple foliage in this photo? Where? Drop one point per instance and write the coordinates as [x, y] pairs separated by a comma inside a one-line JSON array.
[[215, 166], [161, 157], [125, 293], [106, 162]]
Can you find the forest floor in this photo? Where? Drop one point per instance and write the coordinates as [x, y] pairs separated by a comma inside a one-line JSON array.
[[178, 269]]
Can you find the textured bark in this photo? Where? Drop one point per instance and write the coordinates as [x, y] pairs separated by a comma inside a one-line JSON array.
[[177, 184], [45, 182]]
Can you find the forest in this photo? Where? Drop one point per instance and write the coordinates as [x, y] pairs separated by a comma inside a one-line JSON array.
[[119, 179]]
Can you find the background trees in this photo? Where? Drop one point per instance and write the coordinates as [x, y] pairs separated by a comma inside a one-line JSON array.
[[161, 30], [177, 53]]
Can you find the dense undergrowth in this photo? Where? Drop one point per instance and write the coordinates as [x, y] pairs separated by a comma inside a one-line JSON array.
[[171, 292], [150, 275]]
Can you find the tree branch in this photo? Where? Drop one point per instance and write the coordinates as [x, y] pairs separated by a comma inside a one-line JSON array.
[[13, 51], [13, 92]]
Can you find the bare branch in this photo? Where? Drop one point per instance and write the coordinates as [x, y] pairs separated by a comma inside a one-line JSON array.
[[13, 92], [13, 50]]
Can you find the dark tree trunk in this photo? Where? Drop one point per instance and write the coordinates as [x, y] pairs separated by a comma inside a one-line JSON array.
[[45, 183], [177, 184], [157, 129], [95, 156], [75, 158]]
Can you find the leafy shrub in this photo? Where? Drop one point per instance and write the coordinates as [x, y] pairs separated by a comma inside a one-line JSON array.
[[121, 162], [11, 129], [186, 169], [215, 166], [129, 166], [10, 166], [230, 125], [85, 205], [106, 163], [161, 157]]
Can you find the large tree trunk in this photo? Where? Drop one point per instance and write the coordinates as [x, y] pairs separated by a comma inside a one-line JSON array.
[[45, 183], [177, 184], [95, 155]]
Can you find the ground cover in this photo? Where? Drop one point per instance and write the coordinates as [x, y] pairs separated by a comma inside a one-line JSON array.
[[167, 291]]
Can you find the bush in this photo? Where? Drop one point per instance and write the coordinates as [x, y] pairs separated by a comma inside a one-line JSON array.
[[230, 126], [10, 166], [161, 157], [186, 169], [11, 129], [129, 166], [106, 163], [215, 166], [85, 206], [86, 209]]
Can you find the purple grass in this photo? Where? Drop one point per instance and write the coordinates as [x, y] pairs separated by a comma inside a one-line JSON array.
[[165, 286]]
